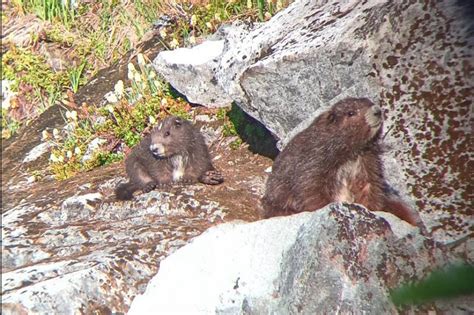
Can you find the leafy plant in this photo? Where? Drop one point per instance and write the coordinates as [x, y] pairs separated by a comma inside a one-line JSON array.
[[453, 281], [75, 75]]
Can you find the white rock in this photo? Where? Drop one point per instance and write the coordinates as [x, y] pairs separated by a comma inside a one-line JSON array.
[[221, 267], [36, 152]]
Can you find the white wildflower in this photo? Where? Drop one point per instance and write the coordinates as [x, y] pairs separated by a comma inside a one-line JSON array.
[[163, 33], [174, 43], [110, 109], [56, 134], [119, 88], [193, 20], [71, 115], [45, 135], [141, 59], [137, 77], [131, 71], [111, 97]]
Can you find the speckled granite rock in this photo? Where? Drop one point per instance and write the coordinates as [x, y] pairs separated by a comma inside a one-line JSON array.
[[413, 57], [341, 259]]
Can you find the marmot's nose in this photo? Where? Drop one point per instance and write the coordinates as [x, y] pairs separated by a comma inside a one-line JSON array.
[[157, 150], [377, 111]]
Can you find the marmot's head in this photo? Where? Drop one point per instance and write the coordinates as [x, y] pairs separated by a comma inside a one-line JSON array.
[[170, 137], [357, 120]]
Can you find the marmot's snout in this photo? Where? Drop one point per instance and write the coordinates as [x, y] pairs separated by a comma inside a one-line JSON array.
[[377, 111], [158, 150], [374, 119]]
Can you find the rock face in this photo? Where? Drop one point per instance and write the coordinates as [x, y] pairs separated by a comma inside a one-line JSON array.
[[414, 57], [339, 259], [69, 247]]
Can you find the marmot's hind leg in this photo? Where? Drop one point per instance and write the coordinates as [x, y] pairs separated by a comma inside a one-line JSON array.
[[142, 178], [211, 177], [125, 191]]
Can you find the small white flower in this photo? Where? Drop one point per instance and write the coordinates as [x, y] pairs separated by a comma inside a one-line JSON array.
[[71, 115], [53, 158], [141, 59], [163, 33], [77, 151], [137, 77], [111, 97], [119, 88], [45, 135], [69, 154], [193, 20], [110, 109], [56, 134], [192, 40], [131, 71], [174, 43]]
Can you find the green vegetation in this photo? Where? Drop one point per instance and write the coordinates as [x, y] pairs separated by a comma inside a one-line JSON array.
[[453, 281], [49, 10], [94, 135], [93, 35]]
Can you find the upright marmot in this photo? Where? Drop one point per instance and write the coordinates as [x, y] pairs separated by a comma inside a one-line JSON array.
[[336, 159], [174, 152]]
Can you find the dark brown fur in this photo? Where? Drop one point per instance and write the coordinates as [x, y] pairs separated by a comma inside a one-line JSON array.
[[174, 147], [336, 159]]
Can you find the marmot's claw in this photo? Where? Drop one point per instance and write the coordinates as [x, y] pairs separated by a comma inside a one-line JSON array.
[[149, 187], [212, 177]]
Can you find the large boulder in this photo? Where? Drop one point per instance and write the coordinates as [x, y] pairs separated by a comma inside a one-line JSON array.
[[342, 258], [415, 58]]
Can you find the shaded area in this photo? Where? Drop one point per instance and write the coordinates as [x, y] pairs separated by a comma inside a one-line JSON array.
[[254, 133]]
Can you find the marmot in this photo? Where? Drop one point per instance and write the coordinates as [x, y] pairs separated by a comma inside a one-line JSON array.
[[336, 159], [174, 152]]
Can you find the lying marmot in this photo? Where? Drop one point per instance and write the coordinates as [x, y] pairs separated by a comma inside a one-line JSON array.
[[336, 159], [174, 152]]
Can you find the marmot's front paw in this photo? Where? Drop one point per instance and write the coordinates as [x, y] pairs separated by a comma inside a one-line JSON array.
[[149, 187], [212, 177]]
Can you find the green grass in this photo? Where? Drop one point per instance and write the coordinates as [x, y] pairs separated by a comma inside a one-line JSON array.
[[49, 10], [97, 34]]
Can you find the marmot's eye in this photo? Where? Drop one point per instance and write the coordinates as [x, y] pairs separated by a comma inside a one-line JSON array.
[[351, 113], [167, 134]]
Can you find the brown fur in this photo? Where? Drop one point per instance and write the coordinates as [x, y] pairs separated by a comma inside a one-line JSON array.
[[174, 152], [336, 159]]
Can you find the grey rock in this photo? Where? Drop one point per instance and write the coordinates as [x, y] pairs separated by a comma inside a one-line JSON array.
[[341, 258], [189, 70], [413, 58]]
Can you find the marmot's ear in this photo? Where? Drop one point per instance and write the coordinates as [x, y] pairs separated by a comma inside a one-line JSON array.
[[178, 122], [332, 117]]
